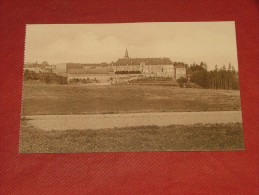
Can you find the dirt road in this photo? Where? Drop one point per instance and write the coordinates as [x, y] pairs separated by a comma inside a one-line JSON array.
[[104, 121]]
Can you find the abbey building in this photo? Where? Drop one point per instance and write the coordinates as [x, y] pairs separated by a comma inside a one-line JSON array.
[[160, 67]]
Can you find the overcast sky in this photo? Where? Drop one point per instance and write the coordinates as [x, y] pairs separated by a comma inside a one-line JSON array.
[[210, 42]]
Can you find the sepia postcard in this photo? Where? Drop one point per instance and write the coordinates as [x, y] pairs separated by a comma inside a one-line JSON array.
[[131, 87]]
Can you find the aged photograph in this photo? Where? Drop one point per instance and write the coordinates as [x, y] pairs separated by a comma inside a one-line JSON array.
[[131, 87]]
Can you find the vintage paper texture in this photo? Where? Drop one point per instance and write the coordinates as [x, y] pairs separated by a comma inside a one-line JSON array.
[[131, 87]]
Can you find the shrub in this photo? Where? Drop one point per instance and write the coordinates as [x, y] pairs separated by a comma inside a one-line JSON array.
[[44, 77], [182, 82]]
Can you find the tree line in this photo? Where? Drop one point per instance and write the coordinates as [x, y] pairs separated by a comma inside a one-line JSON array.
[[219, 78]]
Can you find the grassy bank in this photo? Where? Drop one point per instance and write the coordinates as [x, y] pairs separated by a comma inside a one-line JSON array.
[[146, 138], [56, 99]]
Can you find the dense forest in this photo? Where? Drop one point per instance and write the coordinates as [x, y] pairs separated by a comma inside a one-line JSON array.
[[219, 78]]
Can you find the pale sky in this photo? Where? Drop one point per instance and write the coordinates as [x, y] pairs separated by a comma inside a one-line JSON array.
[[188, 42]]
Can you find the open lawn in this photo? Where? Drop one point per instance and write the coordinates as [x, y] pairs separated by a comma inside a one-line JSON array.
[[54, 99], [129, 139]]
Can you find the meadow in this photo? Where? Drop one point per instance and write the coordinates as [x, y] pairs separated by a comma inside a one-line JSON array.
[[199, 137], [53, 99]]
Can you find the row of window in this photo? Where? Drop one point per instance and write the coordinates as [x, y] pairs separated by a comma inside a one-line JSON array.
[[170, 69]]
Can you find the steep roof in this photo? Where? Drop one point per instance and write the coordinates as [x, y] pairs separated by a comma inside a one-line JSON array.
[[76, 71], [147, 61], [74, 65], [95, 64], [75, 68], [99, 71]]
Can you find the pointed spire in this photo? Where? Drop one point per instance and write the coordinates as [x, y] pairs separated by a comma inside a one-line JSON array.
[[126, 54]]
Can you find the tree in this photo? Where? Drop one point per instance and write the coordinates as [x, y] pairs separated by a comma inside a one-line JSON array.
[[216, 68], [224, 67], [203, 65], [233, 69], [229, 67], [215, 79]]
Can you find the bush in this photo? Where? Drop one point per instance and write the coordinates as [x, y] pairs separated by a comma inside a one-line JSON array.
[[44, 77], [183, 82], [30, 75], [47, 79], [84, 81]]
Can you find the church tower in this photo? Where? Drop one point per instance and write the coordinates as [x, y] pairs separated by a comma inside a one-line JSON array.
[[126, 54]]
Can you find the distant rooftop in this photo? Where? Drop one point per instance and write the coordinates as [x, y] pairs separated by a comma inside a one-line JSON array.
[[99, 71], [74, 65], [75, 68], [96, 64]]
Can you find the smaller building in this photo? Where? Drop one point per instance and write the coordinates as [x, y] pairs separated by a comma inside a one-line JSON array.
[[89, 74], [180, 70], [75, 71], [95, 65]]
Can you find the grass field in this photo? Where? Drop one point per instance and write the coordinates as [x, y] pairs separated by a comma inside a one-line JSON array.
[[145, 138], [53, 99]]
